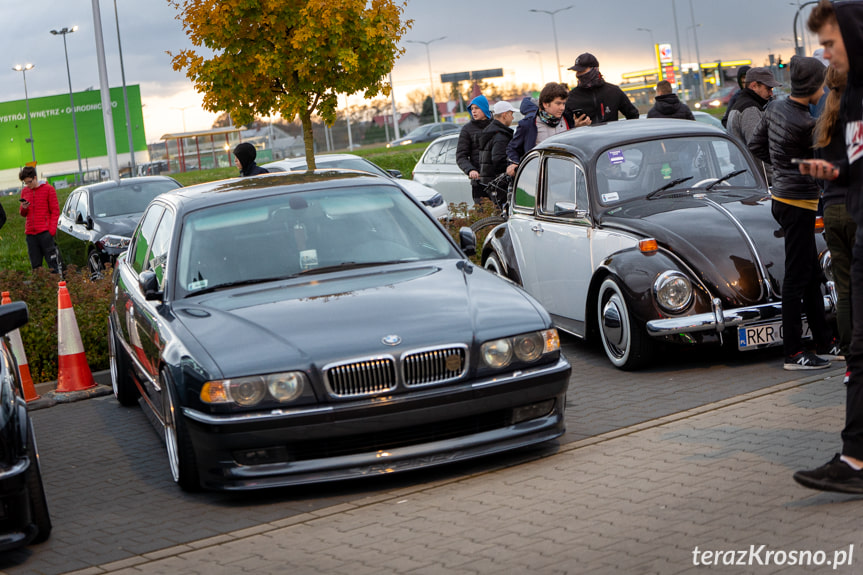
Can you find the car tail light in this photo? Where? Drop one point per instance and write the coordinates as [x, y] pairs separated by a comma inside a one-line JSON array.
[[819, 224]]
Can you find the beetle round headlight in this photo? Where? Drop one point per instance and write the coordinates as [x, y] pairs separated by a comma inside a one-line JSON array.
[[529, 347], [247, 391], [497, 353], [286, 386], [673, 291]]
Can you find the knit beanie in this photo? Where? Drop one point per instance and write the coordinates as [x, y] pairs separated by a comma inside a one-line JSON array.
[[807, 75]]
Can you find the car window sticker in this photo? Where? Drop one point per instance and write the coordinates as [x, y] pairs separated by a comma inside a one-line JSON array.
[[196, 285], [616, 157], [308, 259], [610, 197]]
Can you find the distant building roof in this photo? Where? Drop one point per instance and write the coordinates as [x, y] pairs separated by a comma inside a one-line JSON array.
[[210, 132]]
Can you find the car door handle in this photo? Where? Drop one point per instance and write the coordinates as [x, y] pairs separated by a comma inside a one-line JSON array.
[[537, 228]]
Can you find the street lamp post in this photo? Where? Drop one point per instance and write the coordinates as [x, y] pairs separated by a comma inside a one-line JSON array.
[[697, 53], [62, 32], [652, 43], [125, 95], [541, 71], [431, 81], [800, 50], [554, 30], [23, 69]]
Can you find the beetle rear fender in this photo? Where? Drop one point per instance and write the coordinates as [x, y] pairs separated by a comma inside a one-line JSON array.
[[499, 241]]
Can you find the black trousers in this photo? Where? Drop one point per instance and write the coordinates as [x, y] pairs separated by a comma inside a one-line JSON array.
[[41, 246], [801, 288]]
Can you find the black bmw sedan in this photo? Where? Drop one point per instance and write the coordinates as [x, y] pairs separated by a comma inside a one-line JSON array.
[[308, 327], [97, 221]]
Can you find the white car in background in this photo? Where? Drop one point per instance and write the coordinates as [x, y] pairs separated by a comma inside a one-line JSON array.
[[431, 199], [437, 169]]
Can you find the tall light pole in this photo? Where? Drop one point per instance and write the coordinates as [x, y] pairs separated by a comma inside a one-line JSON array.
[[679, 47], [697, 53], [541, 71], [652, 43], [554, 30], [431, 81], [62, 32], [125, 95], [105, 91], [23, 69]]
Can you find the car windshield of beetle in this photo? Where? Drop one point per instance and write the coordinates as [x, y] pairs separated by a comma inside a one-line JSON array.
[[128, 199], [302, 233], [633, 170]]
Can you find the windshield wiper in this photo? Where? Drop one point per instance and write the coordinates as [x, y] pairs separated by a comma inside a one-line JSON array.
[[227, 285], [670, 184], [727, 176], [347, 266]]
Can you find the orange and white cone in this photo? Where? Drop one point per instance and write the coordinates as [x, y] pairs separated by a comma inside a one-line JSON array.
[[73, 373], [21, 358]]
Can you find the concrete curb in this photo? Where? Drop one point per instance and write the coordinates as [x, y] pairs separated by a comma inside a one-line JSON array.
[[49, 397]]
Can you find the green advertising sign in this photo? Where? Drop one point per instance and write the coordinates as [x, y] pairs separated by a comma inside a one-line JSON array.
[[53, 132]]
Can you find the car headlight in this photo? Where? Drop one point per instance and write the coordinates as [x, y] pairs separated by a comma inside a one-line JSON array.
[[112, 241], [434, 201], [673, 291], [527, 347], [248, 391], [697, 105], [715, 103], [406, 142]]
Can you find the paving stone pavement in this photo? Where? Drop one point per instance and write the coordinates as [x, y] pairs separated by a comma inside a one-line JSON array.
[[650, 498]]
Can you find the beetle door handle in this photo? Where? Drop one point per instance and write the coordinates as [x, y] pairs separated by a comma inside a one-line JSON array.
[[537, 228]]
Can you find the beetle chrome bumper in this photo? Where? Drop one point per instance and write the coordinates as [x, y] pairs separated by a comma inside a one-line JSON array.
[[719, 320]]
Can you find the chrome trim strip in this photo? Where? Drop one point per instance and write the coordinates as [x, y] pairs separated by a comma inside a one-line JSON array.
[[273, 414], [766, 289], [16, 469], [718, 319]]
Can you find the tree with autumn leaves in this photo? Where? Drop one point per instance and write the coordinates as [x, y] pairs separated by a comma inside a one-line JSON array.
[[289, 57]]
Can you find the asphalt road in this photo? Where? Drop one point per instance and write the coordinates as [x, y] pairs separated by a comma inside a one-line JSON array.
[[111, 495]]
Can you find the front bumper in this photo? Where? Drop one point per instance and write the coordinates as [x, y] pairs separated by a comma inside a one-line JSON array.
[[381, 435], [719, 320], [16, 526]]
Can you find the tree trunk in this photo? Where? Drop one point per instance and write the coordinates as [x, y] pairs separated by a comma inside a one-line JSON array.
[[308, 138]]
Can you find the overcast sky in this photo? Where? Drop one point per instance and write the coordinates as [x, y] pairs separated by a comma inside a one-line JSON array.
[[479, 35]]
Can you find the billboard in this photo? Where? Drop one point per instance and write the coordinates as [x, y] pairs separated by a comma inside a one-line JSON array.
[[53, 133]]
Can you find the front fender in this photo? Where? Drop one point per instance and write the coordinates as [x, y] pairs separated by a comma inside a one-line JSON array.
[[499, 242]]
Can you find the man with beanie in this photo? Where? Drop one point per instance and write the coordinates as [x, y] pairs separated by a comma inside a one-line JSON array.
[[467, 151], [784, 134], [741, 80], [244, 158], [746, 113], [493, 142], [668, 105], [594, 97]]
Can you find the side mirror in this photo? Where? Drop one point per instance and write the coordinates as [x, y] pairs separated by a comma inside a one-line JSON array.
[[395, 173], [12, 316], [467, 240], [149, 284]]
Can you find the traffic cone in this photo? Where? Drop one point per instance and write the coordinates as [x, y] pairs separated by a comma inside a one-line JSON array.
[[73, 373], [21, 358]]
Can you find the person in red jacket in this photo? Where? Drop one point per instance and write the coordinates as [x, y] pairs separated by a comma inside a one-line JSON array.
[[39, 205]]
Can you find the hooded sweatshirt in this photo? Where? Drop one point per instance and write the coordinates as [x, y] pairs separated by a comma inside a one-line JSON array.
[[246, 154], [467, 152], [849, 14], [670, 106]]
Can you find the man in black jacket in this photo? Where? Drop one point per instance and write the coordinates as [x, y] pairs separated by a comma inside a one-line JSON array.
[[746, 113], [785, 134], [467, 151], [493, 142], [668, 105], [593, 96]]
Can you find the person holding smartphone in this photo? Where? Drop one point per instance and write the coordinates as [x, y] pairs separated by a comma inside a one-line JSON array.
[[38, 203]]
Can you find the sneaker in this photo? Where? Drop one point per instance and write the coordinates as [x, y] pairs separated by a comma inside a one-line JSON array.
[[835, 475], [805, 360], [832, 351]]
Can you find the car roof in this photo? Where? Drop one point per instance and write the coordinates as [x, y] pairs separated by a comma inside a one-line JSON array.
[[228, 191], [589, 140], [110, 184], [301, 160]]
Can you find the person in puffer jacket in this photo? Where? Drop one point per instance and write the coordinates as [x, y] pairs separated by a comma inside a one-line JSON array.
[[783, 135], [493, 142], [467, 150], [668, 105]]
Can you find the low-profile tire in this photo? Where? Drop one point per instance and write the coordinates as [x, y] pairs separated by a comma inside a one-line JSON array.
[[488, 222], [36, 493], [626, 344], [181, 454], [94, 265], [125, 389]]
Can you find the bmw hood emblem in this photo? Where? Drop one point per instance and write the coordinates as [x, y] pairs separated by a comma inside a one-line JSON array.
[[391, 340]]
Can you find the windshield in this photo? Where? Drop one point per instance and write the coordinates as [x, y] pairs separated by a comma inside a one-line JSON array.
[[634, 170], [290, 234], [128, 198], [421, 131]]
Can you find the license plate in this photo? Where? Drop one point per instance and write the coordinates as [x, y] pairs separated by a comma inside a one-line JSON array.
[[764, 335]]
